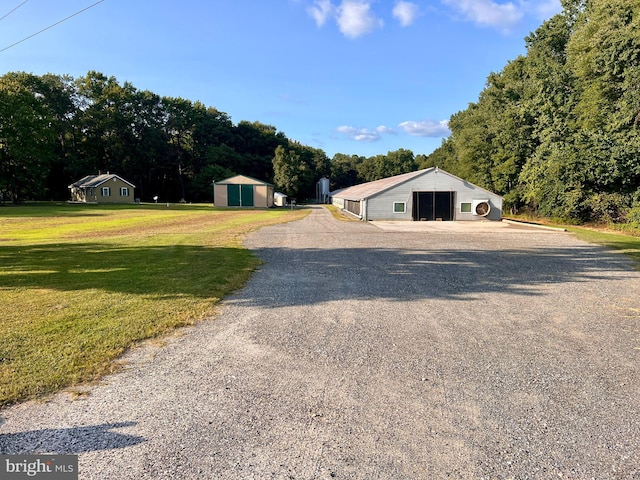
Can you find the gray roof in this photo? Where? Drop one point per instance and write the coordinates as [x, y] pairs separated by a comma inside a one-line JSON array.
[[366, 190], [370, 189], [97, 180]]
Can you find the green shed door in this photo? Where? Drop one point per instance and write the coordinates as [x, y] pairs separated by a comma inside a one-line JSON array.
[[247, 195], [233, 195]]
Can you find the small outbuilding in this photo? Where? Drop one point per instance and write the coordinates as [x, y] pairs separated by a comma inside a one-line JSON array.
[[279, 199], [102, 188], [242, 191], [425, 195]]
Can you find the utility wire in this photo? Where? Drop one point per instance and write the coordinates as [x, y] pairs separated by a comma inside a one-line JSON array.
[[51, 26], [7, 14]]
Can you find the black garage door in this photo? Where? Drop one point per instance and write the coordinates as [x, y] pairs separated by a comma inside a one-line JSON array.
[[433, 205]]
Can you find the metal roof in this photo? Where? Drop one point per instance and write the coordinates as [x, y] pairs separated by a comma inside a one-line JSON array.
[[369, 189], [97, 180], [234, 180]]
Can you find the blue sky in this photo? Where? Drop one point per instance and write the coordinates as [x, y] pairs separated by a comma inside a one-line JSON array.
[[348, 76]]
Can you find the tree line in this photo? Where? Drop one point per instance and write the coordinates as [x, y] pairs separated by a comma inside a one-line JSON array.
[[55, 129], [556, 131]]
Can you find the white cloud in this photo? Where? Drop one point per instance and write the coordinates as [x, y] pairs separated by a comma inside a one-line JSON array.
[[542, 9], [426, 128], [364, 134], [355, 18], [385, 129], [405, 12], [488, 13], [321, 11]]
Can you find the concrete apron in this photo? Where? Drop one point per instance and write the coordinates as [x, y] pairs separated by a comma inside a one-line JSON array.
[[480, 226]]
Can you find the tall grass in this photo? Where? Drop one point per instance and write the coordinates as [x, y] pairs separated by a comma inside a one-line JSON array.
[[80, 284]]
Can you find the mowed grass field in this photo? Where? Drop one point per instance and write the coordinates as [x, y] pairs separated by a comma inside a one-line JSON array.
[[627, 243], [80, 284]]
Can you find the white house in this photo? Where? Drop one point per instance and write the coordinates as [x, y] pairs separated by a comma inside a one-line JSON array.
[[429, 194]]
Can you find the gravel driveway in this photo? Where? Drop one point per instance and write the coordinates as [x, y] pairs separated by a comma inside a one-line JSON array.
[[364, 352]]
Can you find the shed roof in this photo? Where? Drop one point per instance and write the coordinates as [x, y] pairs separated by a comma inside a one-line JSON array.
[[247, 181], [97, 180]]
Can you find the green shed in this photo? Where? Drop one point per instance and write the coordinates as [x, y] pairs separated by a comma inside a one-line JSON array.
[[242, 191]]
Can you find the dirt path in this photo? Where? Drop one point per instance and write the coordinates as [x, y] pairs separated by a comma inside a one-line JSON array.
[[361, 352]]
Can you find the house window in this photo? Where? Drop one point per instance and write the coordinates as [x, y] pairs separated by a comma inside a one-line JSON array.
[[106, 191], [124, 191], [465, 208], [399, 207]]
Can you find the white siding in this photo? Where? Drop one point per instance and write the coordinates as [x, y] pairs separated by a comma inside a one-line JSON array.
[[380, 206], [337, 202]]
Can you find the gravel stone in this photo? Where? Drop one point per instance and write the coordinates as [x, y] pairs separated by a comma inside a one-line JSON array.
[[384, 350]]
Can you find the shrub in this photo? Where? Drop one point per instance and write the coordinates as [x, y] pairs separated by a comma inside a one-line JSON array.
[[608, 207]]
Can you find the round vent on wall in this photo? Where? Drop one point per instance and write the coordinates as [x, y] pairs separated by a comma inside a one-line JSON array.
[[481, 208]]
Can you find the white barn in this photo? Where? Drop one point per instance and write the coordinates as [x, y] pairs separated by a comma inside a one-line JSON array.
[[429, 194]]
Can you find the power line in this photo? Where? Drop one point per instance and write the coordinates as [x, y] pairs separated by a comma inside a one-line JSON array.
[[7, 14], [51, 26]]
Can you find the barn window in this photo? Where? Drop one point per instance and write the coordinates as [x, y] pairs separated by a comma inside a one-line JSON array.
[[106, 191], [465, 208], [399, 207]]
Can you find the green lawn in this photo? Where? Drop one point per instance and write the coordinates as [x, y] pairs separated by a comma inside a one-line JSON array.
[[627, 244], [80, 284], [622, 242]]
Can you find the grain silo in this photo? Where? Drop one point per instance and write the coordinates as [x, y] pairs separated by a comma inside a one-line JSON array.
[[322, 190]]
